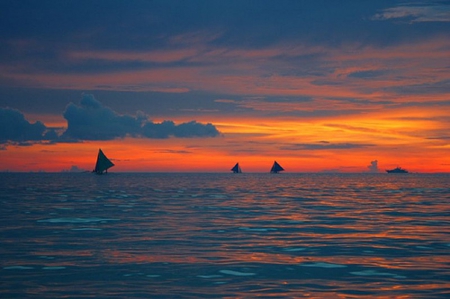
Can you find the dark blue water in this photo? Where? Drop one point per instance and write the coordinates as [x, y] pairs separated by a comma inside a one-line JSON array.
[[223, 235]]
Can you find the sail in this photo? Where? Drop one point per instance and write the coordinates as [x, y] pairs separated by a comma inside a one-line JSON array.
[[236, 169], [103, 163], [276, 167]]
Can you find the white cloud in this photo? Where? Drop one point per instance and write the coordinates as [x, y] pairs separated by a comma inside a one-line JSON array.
[[415, 14]]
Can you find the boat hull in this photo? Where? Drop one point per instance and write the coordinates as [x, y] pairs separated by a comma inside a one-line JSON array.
[[397, 170]]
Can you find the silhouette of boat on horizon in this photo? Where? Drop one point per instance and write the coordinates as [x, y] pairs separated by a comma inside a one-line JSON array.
[[236, 168], [103, 163], [398, 169], [276, 168]]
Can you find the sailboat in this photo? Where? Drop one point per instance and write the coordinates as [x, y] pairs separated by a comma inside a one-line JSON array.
[[236, 169], [276, 167], [103, 163], [398, 169]]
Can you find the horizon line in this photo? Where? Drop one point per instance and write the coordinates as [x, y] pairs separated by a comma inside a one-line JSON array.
[[213, 172]]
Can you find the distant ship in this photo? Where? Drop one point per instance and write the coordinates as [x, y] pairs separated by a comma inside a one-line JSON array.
[[397, 170], [103, 163], [276, 168], [236, 169]]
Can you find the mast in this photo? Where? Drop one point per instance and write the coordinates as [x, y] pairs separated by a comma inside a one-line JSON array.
[[103, 163], [276, 167]]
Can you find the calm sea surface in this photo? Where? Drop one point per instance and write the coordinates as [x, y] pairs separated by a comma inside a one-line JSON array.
[[224, 236]]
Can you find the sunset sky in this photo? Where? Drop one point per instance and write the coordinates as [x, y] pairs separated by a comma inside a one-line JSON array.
[[200, 85]]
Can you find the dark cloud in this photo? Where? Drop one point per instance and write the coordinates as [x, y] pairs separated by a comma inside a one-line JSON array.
[[438, 87], [168, 128], [185, 130], [161, 130], [367, 74], [169, 151], [92, 121], [439, 138], [195, 129], [323, 145], [14, 127]]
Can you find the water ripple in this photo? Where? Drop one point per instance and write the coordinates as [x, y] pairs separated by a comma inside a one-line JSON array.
[[222, 235]]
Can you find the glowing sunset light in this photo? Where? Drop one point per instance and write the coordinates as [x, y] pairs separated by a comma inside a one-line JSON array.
[[195, 93]]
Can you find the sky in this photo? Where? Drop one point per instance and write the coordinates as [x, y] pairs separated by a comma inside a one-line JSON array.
[[196, 86]]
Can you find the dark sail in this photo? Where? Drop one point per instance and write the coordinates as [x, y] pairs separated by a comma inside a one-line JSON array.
[[276, 168], [103, 163], [236, 169]]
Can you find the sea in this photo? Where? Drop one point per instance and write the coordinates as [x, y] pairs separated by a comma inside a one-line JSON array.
[[224, 235]]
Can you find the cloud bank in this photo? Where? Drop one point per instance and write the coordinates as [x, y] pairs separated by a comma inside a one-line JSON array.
[[90, 120], [15, 128]]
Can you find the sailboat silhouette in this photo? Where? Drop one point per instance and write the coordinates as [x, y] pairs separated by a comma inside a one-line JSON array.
[[236, 169], [103, 163], [276, 168]]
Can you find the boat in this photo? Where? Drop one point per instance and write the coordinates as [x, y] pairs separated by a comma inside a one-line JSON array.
[[103, 163], [276, 168], [236, 169], [398, 169]]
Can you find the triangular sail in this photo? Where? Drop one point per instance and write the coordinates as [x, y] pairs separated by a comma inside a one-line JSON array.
[[103, 163], [236, 168], [276, 167]]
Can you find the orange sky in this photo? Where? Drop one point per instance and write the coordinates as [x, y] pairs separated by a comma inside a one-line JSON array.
[[331, 143], [314, 93], [255, 144]]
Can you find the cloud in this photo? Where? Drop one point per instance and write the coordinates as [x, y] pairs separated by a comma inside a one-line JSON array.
[[195, 129], [74, 168], [370, 74], [185, 130], [373, 167], [323, 145], [169, 151], [92, 121], [416, 13], [15, 128]]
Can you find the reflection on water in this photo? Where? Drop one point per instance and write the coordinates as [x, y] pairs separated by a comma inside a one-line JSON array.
[[224, 235]]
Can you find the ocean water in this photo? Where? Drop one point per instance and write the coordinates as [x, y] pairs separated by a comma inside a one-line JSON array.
[[191, 235]]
